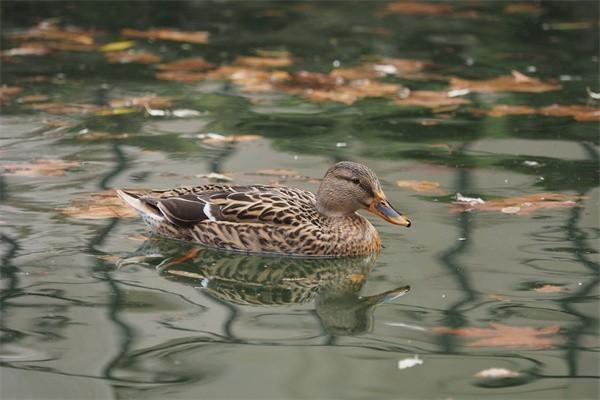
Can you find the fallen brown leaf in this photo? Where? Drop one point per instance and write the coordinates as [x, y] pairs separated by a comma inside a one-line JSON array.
[[33, 98], [40, 168], [500, 335], [50, 31], [417, 8], [264, 62], [94, 135], [215, 138], [550, 289], [138, 238], [430, 99], [579, 112], [421, 186], [501, 110], [186, 64], [516, 82], [99, 205], [198, 37], [127, 57], [281, 172], [7, 92], [527, 8], [249, 79], [522, 205]]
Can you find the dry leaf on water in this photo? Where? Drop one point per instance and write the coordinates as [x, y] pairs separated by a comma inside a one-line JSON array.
[[33, 98], [198, 37], [582, 113], [500, 335], [99, 205], [186, 70], [416, 8], [215, 138], [547, 288], [525, 8], [6, 92], [186, 64], [280, 172], [127, 57], [282, 60], [430, 99], [141, 101], [522, 205], [579, 112], [40, 168], [516, 82], [421, 186], [50, 31]]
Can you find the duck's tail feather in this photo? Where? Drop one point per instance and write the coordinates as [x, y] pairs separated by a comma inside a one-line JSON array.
[[145, 207]]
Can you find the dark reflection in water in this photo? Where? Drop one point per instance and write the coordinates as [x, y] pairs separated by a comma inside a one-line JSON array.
[[239, 280]]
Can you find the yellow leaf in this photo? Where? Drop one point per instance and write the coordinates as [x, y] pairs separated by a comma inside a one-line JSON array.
[[118, 46]]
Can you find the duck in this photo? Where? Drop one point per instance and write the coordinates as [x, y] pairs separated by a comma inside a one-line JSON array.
[[277, 220]]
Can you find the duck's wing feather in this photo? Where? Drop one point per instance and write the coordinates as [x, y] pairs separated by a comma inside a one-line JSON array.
[[235, 204]]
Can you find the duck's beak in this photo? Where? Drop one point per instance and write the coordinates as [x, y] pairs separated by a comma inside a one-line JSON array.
[[383, 209]]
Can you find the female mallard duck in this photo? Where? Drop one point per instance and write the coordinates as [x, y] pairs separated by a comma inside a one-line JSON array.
[[274, 219]]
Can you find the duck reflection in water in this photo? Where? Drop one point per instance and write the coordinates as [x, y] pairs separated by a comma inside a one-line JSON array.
[[333, 285]]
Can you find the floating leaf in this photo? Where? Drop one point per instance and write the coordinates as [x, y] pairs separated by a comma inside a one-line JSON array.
[[430, 99], [6, 92], [579, 112], [33, 98], [117, 46], [500, 335], [417, 8], [186, 64], [40, 168], [94, 135], [547, 288], [523, 8], [198, 37], [264, 62], [127, 57], [213, 176], [27, 49], [421, 186], [99, 205], [517, 82], [496, 373], [50, 31], [215, 138], [501, 110], [280, 172], [522, 205]]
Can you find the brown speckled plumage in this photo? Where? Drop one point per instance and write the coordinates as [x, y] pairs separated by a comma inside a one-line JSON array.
[[267, 219]]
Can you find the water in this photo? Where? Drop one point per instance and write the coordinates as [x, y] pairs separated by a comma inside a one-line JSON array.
[[92, 310]]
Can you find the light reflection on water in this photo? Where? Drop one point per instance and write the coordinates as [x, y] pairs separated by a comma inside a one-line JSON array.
[[87, 312]]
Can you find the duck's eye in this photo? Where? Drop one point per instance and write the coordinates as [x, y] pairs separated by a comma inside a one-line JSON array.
[[356, 181]]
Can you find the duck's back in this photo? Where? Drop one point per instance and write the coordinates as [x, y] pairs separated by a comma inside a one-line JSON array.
[[257, 219]]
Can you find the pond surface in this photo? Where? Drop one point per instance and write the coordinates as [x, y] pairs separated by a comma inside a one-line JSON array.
[[461, 95]]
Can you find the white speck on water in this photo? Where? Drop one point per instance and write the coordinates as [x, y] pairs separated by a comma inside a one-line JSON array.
[[506, 181], [470, 61], [83, 131], [295, 157], [336, 63], [531, 68], [458, 92], [579, 283], [443, 296], [462, 238], [531, 163], [341, 144], [409, 362], [204, 283], [387, 69]]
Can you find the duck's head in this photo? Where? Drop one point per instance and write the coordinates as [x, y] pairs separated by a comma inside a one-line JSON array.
[[348, 187]]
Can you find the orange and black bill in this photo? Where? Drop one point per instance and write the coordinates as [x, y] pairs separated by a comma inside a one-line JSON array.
[[383, 209]]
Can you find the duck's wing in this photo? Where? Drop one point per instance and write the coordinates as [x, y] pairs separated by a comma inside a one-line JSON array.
[[190, 206]]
